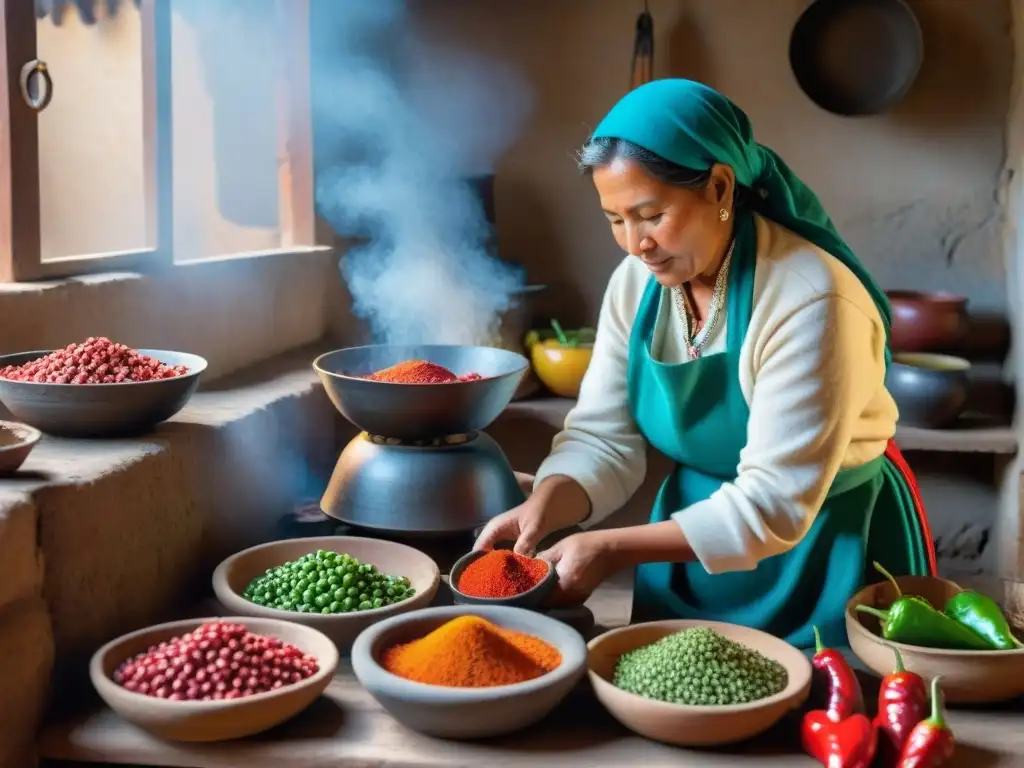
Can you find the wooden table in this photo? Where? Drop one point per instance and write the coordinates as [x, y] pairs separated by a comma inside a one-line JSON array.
[[347, 727]]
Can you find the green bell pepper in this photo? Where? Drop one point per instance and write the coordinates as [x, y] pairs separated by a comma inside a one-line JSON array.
[[982, 614], [912, 620]]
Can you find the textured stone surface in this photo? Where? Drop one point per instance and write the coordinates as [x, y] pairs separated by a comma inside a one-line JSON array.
[[117, 534], [26, 660], [20, 556]]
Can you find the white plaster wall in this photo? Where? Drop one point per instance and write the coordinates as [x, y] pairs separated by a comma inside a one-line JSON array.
[[914, 191]]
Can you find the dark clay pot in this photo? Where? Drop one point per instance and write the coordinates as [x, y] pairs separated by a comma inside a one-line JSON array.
[[923, 322], [930, 390]]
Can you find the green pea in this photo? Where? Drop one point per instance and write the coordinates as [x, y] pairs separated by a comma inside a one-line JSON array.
[[347, 579], [365, 605], [352, 592], [348, 604], [378, 602]]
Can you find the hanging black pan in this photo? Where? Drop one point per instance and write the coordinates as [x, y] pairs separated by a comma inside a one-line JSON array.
[[856, 57]]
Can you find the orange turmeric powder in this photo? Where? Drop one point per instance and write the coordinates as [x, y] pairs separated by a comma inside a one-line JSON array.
[[470, 652]]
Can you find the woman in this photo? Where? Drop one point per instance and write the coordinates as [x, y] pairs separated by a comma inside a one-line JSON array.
[[743, 339]]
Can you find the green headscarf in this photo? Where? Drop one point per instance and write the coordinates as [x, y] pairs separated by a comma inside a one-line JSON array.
[[695, 126]]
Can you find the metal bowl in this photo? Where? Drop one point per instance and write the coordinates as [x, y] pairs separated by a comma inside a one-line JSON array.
[[100, 410], [420, 411], [930, 390]]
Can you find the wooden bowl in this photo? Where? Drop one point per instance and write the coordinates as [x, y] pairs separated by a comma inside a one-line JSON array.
[[16, 443], [212, 720], [531, 598], [100, 410], [234, 574], [695, 726], [967, 676], [468, 713]]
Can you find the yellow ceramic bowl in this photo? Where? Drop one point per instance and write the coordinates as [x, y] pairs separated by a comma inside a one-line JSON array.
[[559, 368]]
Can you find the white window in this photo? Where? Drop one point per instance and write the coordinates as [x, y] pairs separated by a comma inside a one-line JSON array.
[[155, 132]]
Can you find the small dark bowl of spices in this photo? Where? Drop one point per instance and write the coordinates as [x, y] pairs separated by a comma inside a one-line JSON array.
[[502, 577]]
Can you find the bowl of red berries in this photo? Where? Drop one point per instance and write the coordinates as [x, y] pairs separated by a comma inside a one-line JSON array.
[[213, 679], [97, 388]]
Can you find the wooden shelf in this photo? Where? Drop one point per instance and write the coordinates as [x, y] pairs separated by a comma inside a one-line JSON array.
[[987, 439], [975, 436]]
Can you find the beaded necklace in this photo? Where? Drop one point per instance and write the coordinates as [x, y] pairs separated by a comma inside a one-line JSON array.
[[695, 341]]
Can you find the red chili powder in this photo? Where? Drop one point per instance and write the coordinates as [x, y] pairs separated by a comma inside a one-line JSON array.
[[419, 372], [414, 372], [501, 573]]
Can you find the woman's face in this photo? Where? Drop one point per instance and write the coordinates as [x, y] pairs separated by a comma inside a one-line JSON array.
[[677, 232]]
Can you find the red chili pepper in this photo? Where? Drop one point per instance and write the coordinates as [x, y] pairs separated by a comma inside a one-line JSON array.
[[931, 742], [902, 704], [832, 671], [848, 743]]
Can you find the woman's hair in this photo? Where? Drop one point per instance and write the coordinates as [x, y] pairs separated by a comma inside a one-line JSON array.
[[602, 151]]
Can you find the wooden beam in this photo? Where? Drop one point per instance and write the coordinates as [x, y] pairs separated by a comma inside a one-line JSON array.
[[20, 246], [295, 130]]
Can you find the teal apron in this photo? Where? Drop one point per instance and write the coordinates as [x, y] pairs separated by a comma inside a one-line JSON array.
[[695, 413]]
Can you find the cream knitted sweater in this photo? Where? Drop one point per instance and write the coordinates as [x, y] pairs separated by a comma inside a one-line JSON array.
[[812, 371]]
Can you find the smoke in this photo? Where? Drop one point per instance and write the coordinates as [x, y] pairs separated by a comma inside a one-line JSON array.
[[399, 127]]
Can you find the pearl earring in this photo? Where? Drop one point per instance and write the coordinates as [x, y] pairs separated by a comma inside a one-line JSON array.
[[723, 215]]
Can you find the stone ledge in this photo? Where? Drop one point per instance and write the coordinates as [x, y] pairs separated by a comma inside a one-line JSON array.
[[115, 534]]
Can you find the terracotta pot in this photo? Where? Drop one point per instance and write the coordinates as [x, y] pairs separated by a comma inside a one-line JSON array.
[[923, 322]]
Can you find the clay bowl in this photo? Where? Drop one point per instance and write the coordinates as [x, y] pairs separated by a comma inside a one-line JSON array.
[[234, 574], [695, 726], [967, 676], [531, 598], [468, 713], [212, 720], [930, 390], [100, 410], [16, 443], [924, 322]]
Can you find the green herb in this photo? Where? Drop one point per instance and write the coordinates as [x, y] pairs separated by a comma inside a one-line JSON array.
[[699, 667], [566, 338], [327, 582], [559, 333]]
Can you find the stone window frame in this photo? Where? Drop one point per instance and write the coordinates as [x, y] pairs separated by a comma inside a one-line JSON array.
[[20, 230]]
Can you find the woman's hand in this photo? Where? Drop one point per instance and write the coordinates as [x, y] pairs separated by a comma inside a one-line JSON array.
[[582, 561], [559, 502]]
